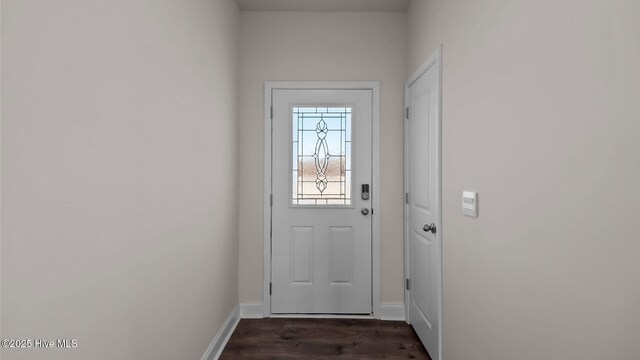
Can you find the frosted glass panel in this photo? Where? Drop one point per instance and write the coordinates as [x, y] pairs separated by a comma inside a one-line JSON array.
[[321, 156]]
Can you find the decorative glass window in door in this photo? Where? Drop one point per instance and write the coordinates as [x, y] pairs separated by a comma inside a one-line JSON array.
[[321, 156]]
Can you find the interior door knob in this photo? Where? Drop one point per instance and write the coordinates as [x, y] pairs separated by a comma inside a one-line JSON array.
[[364, 211], [431, 228]]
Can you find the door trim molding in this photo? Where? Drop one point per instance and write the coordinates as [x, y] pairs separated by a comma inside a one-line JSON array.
[[434, 60], [374, 86]]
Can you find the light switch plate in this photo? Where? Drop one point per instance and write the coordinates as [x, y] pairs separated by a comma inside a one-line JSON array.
[[470, 203]]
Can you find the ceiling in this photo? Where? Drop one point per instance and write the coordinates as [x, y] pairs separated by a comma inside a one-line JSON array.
[[324, 5]]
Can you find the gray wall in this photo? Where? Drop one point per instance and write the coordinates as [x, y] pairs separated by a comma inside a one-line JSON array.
[[119, 205], [541, 117], [328, 47]]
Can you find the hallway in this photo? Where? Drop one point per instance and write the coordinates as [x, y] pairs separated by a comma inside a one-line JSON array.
[[145, 214]]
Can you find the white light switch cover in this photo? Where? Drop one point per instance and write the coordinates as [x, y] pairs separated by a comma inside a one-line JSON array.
[[470, 203]]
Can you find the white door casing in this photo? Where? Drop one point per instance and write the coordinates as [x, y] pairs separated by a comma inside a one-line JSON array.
[[423, 231], [321, 258]]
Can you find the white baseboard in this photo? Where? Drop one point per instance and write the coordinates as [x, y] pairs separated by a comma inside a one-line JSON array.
[[220, 341], [251, 311], [393, 312]]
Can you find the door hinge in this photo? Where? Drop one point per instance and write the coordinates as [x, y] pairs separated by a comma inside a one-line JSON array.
[[271, 113], [406, 284], [406, 197], [270, 199], [270, 288], [407, 112]]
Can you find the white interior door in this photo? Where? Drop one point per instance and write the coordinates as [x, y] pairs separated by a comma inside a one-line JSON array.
[[423, 206], [321, 223]]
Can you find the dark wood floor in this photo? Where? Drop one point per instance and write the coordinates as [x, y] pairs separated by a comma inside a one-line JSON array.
[[279, 338]]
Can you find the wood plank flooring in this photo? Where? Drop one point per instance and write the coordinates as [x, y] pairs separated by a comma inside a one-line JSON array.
[[286, 338]]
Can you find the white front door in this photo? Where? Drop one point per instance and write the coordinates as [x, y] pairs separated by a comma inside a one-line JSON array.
[[423, 206], [321, 223]]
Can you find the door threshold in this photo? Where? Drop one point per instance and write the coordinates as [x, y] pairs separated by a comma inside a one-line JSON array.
[[323, 316]]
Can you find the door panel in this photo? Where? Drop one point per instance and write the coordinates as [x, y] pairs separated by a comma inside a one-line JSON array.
[[423, 208], [341, 258], [321, 242], [301, 254]]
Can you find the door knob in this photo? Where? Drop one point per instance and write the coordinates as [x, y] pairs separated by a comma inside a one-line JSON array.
[[431, 228], [364, 211]]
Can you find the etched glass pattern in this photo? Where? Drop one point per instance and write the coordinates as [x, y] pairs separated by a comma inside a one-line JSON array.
[[321, 156]]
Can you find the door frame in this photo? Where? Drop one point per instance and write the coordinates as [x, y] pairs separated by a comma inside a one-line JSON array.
[[434, 60], [374, 86]]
